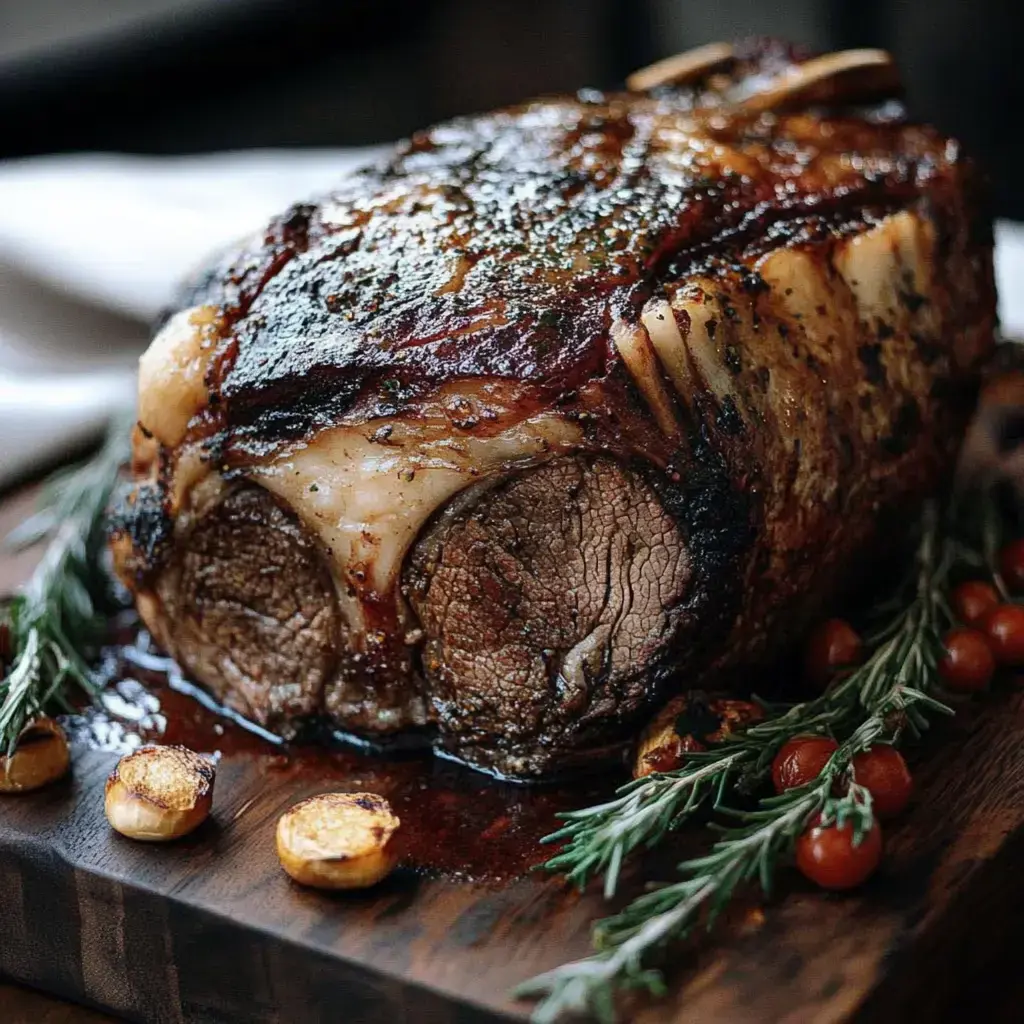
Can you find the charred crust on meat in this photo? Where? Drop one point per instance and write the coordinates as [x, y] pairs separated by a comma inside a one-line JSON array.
[[870, 356], [139, 517], [906, 426], [929, 350], [717, 519], [729, 420], [462, 293], [506, 317]]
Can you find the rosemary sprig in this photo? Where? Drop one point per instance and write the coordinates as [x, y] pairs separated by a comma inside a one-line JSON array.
[[643, 811], [600, 838], [669, 913], [53, 620], [889, 693]]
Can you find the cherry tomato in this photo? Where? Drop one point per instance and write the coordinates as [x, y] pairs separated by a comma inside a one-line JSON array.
[[800, 760], [1011, 565], [969, 661], [972, 600], [1004, 627], [828, 857], [833, 645], [884, 774]]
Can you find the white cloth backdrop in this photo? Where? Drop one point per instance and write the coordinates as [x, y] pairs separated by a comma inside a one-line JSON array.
[[92, 246]]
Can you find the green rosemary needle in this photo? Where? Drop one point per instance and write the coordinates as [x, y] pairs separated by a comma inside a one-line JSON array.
[[53, 620], [643, 811]]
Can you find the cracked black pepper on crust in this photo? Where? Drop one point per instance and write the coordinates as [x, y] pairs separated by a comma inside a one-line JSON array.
[[554, 412]]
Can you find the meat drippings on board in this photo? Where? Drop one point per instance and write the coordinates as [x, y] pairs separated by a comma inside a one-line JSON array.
[[455, 823], [752, 328]]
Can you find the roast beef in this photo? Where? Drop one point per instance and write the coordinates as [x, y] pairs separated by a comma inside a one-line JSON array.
[[559, 409]]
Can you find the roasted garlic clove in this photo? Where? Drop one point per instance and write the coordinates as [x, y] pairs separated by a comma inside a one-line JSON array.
[[661, 749], [338, 840], [41, 756], [159, 793], [689, 722]]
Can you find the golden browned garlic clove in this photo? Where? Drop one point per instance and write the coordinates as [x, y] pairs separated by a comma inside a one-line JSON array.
[[159, 793], [659, 748], [689, 722], [338, 840], [41, 756]]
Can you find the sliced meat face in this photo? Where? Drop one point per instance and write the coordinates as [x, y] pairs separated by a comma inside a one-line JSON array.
[[253, 609], [547, 603], [554, 407]]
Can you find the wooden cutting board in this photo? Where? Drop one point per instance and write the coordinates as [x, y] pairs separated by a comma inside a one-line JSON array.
[[210, 930]]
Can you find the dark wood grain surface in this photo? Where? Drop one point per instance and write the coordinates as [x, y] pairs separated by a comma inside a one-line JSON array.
[[210, 930]]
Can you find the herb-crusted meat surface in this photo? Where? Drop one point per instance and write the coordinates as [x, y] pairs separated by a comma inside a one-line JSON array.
[[555, 410]]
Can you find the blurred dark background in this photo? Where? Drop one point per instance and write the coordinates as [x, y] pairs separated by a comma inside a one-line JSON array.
[[171, 76]]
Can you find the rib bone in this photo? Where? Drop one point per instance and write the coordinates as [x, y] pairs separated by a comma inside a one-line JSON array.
[[849, 75], [681, 67]]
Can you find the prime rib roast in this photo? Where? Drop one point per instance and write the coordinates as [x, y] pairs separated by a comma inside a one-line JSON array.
[[561, 409]]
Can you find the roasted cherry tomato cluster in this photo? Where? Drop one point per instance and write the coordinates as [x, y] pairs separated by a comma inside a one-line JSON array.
[[828, 854], [988, 635]]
